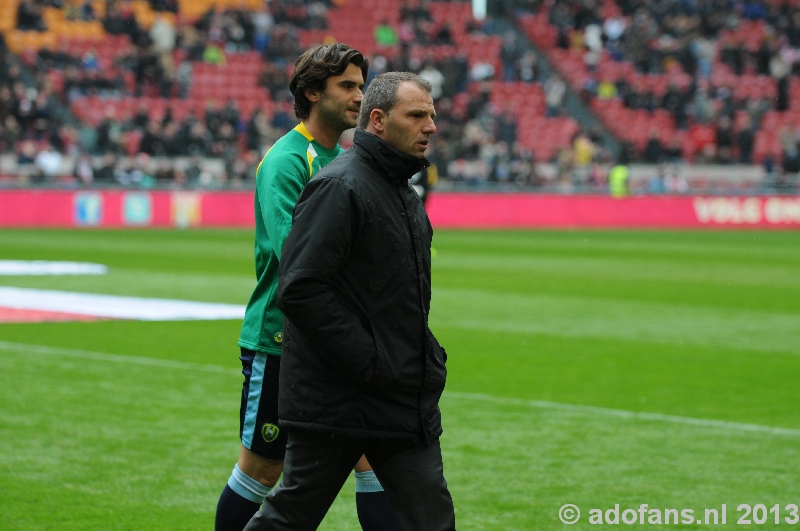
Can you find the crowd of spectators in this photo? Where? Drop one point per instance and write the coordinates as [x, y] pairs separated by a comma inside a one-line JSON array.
[[702, 40], [476, 140]]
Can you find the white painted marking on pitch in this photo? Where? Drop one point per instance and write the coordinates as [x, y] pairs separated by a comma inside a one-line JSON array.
[[113, 358], [47, 267], [116, 307], [634, 415], [24, 348]]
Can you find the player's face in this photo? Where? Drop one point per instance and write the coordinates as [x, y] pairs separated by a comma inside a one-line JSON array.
[[409, 123], [340, 102]]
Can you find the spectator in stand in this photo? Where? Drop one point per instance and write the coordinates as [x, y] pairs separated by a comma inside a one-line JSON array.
[[213, 53], [230, 114], [172, 140], [244, 168], [554, 90], [791, 155], [164, 5], [702, 108], [151, 142], [105, 173], [456, 73], [510, 52], [674, 101], [273, 78], [283, 46], [258, 131], [48, 162], [193, 42], [526, 68], [283, 118], [12, 75], [593, 41], [84, 172], [673, 153], [109, 132], [614, 29], [165, 173], [262, 26], [385, 34], [506, 127], [654, 149], [704, 51], [780, 69], [606, 90], [194, 171], [162, 34], [481, 70], [432, 75], [443, 35], [90, 61], [29, 16], [199, 139], [10, 133], [6, 102], [224, 143], [724, 140], [213, 115], [59, 58], [26, 153], [745, 140]]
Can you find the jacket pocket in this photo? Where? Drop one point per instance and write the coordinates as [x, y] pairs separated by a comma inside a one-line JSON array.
[[437, 362], [383, 376]]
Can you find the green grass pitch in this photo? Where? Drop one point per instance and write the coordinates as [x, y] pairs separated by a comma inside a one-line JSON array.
[[586, 367]]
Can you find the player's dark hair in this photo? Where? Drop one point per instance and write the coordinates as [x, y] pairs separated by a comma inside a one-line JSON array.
[[313, 68], [382, 93]]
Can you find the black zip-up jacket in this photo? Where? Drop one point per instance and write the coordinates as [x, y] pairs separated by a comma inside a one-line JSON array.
[[358, 357]]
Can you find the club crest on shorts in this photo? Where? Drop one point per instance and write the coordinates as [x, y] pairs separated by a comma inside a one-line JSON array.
[[270, 432], [279, 337]]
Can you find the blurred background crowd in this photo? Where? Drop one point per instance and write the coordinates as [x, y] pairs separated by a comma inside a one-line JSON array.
[[542, 95]]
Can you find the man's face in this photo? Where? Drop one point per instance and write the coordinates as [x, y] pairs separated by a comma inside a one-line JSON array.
[[409, 123], [340, 102]]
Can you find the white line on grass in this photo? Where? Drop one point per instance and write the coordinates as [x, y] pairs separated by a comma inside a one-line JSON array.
[[24, 348], [538, 404], [621, 413], [116, 306], [47, 267]]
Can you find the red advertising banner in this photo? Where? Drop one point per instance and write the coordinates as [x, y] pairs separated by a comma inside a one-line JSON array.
[[564, 211], [129, 208]]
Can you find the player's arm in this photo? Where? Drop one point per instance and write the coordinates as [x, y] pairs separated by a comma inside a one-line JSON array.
[[280, 181], [326, 221]]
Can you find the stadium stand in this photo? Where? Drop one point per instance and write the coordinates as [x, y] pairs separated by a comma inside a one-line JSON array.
[[158, 85]]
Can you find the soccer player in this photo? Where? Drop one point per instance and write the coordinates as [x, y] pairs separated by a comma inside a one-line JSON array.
[[327, 86]]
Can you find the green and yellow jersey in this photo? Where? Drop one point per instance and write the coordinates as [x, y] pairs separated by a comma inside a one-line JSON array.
[[283, 173]]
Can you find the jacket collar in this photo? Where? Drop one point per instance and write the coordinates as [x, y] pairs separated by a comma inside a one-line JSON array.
[[394, 166]]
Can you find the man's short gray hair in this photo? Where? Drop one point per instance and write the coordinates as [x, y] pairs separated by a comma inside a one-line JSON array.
[[382, 93]]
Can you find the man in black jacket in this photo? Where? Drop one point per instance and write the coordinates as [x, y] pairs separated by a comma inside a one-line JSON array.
[[362, 373]]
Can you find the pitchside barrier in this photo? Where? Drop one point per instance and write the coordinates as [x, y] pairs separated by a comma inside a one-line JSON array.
[[121, 208]]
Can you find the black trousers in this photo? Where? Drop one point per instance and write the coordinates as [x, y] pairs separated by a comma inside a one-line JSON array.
[[317, 466]]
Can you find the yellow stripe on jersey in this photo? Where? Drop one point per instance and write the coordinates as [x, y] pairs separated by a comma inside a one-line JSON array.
[[311, 154], [303, 130]]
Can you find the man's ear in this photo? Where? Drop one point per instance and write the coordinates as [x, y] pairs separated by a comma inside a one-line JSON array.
[[311, 95], [377, 119]]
